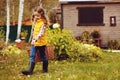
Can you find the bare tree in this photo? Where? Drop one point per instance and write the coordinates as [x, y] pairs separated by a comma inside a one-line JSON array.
[[29, 5], [21, 7], [8, 21], [40, 4]]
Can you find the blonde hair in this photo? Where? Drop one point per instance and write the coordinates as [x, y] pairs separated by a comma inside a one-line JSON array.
[[40, 11]]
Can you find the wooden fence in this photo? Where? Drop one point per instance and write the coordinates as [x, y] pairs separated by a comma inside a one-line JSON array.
[[13, 32]]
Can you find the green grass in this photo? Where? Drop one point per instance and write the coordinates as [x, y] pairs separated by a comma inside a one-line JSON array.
[[106, 69]]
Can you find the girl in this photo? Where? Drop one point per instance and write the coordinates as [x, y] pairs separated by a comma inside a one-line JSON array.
[[38, 41]]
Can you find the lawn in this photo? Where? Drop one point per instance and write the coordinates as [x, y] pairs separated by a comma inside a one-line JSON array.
[[106, 69]]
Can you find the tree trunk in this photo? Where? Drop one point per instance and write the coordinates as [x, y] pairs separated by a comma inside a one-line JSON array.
[[21, 7], [8, 22]]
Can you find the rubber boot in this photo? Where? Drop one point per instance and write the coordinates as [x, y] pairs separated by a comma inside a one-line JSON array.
[[30, 70], [45, 66]]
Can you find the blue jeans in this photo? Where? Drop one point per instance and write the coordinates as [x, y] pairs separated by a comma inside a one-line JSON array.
[[41, 51], [32, 54]]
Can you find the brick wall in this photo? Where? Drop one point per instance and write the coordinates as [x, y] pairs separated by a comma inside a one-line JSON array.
[[70, 21]]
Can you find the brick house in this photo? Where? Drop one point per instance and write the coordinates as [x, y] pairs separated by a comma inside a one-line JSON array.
[[88, 15]]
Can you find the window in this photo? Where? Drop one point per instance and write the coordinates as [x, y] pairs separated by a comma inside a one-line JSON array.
[[112, 20], [90, 16]]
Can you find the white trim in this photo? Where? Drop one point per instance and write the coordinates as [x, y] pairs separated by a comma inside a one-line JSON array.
[[112, 50]]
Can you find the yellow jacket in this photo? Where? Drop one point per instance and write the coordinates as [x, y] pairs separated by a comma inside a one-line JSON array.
[[41, 41]]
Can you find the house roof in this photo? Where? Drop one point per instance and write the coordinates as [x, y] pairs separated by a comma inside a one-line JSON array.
[[89, 1], [76, 0]]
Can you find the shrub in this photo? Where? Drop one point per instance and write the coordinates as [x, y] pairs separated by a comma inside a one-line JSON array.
[[95, 34], [113, 44], [10, 49], [86, 37], [23, 34], [2, 33], [65, 43], [61, 39], [85, 52], [2, 38]]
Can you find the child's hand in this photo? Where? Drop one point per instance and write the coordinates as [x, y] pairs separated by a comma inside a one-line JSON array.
[[32, 42], [37, 38]]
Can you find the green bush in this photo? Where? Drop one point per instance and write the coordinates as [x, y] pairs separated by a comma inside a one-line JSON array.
[[2, 36], [86, 37], [2, 33], [113, 44], [10, 50], [61, 39], [85, 52], [65, 43]]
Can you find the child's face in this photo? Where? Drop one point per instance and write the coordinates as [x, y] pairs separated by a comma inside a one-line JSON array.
[[37, 15]]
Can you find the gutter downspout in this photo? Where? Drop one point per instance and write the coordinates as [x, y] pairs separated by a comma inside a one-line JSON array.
[[62, 19]]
